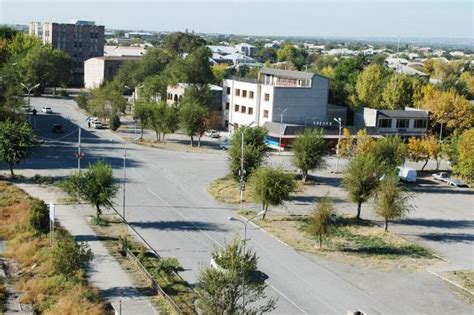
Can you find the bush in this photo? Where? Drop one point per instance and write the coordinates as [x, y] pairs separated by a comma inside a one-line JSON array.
[[42, 180], [38, 217], [68, 257], [114, 122], [63, 93], [82, 100]]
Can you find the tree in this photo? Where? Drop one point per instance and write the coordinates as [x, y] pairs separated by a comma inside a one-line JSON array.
[[170, 121], [424, 150], [105, 101], [142, 112], [292, 54], [392, 201], [361, 179], [195, 69], [322, 218], [234, 287], [155, 120], [68, 257], [370, 85], [192, 119], [96, 185], [465, 161], [255, 150], [390, 152], [267, 54], [364, 142], [219, 70], [342, 87], [179, 42], [398, 92], [16, 140], [271, 186], [38, 217], [308, 151], [346, 144]]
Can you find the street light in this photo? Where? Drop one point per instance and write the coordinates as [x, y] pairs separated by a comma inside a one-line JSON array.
[[244, 242], [281, 128], [339, 121], [29, 89]]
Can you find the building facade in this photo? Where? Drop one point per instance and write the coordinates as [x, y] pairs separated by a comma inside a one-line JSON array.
[[276, 95], [81, 40], [100, 69]]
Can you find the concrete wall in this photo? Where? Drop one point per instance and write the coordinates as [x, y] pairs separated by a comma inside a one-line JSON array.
[[93, 73], [302, 103], [365, 117]]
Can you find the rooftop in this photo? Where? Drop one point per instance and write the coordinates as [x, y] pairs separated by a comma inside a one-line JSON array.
[[400, 113], [299, 75]]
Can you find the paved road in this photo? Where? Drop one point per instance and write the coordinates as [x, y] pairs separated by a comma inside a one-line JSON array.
[[168, 203]]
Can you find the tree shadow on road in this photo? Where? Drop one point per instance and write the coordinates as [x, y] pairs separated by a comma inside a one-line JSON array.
[[179, 226], [448, 237], [438, 223]]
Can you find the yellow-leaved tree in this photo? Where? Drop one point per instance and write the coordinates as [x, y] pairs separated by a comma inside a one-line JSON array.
[[346, 143], [365, 142], [424, 149]]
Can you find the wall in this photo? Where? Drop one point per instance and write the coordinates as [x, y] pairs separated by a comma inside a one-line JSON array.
[[365, 117], [93, 73]]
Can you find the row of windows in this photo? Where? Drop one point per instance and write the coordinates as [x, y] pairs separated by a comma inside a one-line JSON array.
[[402, 123], [242, 109], [245, 94]]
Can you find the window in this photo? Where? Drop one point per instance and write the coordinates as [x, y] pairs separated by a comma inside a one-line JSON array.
[[236, 107], [237, 92], [420, 123], [243, 109], [250, 111], [251, 95], [385, 123], [402, 123], [265, 114], [227, 105], [228, 90], [244, 93], [267, 97]]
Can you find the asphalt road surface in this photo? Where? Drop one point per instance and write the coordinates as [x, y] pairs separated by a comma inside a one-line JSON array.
[[167, 202]]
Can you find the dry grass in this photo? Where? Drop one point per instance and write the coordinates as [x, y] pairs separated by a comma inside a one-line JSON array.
[[227, 190], [360, 243], [173, 146], [47, 292], [464, 278]]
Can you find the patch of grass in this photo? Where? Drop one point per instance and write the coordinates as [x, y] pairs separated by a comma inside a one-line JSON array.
[[42, 180], [227, 189], [464, 278], [358, 241], [47, 291], [99, 221]]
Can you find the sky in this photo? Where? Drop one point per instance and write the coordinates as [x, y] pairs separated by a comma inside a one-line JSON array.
[[318, 18]]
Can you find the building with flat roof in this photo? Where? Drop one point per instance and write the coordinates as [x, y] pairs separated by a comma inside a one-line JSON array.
[[81, 40], [100, 69], [292, 97]]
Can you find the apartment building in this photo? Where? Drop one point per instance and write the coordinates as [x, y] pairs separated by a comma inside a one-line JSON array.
[[80, 39], [292, 97]]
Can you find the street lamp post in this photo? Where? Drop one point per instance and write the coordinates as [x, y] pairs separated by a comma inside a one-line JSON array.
[[244, 242], [339, 121], [281, 128], [29, 89], [124, 179]]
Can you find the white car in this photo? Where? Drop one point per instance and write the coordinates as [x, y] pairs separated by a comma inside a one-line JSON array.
[[442, 176], [96, 124], [47, 110]]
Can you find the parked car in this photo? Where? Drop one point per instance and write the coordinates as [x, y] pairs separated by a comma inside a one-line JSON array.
[[224, 145], [47, 110], [57, 128], [96, 124], [442, 176], [456, 182], [407, 174], [212, 134]]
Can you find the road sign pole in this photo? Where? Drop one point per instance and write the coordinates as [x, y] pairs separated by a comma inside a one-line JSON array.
[[79, 151]]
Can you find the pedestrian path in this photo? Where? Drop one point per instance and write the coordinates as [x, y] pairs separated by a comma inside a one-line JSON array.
[[104, 271]]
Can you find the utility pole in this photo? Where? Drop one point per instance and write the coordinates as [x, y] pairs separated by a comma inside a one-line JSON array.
[[242, 171], [124, 179], [339, 121], [281, 129], [29, 89], [79, 150]]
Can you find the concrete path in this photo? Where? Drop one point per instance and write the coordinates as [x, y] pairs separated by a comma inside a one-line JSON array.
[[104, 271]]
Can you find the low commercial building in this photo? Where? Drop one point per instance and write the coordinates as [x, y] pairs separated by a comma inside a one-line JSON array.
[[291, 97], [100, 69], [410, 122]]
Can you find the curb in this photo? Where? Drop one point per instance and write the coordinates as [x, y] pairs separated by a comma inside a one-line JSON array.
[[451, 282]]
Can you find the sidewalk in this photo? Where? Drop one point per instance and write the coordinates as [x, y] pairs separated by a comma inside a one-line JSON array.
[[104, 271]]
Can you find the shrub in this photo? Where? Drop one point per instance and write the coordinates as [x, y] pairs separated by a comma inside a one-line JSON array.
[[68, 257], [114, 122], [63, 93], [82, 100], [38, 217]]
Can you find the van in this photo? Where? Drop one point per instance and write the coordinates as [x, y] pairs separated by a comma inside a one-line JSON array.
[[407, 174]]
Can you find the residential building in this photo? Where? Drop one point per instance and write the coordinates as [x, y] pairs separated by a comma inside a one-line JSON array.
[[80, 39], [100, 69], [292, 97], [233, 55], [174, 94], [246, 49], [410, 122]]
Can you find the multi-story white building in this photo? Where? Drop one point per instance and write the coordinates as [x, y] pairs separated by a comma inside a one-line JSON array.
[[291, 96]]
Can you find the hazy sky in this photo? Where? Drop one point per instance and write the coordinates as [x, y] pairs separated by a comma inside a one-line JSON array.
[[350, 18]]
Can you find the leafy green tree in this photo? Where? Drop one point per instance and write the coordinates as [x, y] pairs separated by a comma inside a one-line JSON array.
[[16, 140], [308, 151], [234, 287], [105, 101], [155, 120], [142, 112], [255, 150], [38, 217], [398, 92], [192, 119], [96, 185], [391, 202], [170, 120], [267, 54], [195, 69], [370, 85], [68, 257], [464, 165], [220, 71], [342, 87], [271, 186], [179, 42], [322, 218], [292, 54], [82, 99], [20, 45], [361, 179], [153, 87], [391, 152]]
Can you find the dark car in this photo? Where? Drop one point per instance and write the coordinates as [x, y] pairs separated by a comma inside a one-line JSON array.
[[57, 128]]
